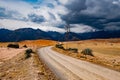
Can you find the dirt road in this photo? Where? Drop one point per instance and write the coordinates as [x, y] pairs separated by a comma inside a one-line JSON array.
[[67, 68]]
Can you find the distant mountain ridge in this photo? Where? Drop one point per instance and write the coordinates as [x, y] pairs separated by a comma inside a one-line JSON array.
[[33, 34]]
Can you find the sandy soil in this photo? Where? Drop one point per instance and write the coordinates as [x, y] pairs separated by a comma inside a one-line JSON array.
[[14, 66], [8, 53], [19, 68]]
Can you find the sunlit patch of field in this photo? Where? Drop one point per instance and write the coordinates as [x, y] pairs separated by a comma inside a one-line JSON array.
[[37, 43], [30, 43], [101, 46], [106, 51]]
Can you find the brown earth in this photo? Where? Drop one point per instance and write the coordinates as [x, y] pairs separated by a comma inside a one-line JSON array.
[[8, 53], [106, 51], [14, 66]]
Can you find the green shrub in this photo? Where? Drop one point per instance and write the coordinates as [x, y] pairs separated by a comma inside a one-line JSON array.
[[87, 51], [59, 46], [13, 45], [75, 50], [28, 53]]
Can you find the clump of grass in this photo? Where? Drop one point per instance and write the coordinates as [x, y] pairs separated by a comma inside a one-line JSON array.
[[13, 45], [28, 53], [87, 51]]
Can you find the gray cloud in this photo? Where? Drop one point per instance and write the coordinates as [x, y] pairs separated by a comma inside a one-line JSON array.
[[4, 13], [76, 5], [36, 18], [95, 13], [10, 14]]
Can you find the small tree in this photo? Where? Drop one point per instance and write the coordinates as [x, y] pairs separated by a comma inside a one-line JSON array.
[[87, 51], [28, 53]]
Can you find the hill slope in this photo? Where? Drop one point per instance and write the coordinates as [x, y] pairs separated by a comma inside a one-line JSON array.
[[33, 34]]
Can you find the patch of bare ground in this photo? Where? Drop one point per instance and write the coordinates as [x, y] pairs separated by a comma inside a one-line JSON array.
[[19, 68], [8, 53], [106, 52]]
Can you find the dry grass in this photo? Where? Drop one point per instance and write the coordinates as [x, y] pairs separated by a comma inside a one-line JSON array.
[[8, 53], [37, 43], [17, 67], [107, 52], [30, 43], [25, 69]]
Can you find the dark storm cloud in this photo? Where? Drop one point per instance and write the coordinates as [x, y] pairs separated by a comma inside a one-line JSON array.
[[36, 18], [95, 13], [76, 5]]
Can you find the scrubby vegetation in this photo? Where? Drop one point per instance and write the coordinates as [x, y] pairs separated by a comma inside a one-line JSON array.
[[13, 45], [60, 46], [75, 50], [28, 53], [87, 51]]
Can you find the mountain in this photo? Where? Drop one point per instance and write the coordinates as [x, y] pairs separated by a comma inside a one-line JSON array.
[[22, 34], [56, 35], [3, 34], [28, 34], [33, 34], [100, 34]]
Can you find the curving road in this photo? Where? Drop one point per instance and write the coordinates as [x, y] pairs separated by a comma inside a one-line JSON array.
[[68, 68]]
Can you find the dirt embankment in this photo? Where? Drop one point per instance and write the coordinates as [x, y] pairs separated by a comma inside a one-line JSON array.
[[19, 68]]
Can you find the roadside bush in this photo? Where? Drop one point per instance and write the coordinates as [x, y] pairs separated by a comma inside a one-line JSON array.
[[59, 46], [13, 45], [75, 50], [28, 53], [25, 46], [87, 51]]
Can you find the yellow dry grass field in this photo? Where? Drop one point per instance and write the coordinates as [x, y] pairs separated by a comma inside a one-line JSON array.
[[14, 66], [37, 43], [31, 43], [106, 51]]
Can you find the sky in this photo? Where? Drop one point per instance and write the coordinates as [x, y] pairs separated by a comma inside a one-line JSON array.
[[53, 15]]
